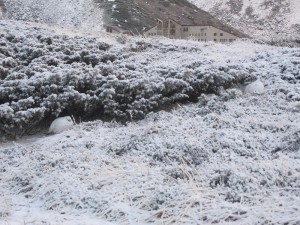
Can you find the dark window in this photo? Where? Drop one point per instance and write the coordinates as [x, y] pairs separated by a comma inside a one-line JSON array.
[[172, 29], [215, 40], [215, 34], [109, 29], [221, 34]]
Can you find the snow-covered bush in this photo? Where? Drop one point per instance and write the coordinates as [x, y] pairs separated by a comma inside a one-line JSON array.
[[90, 78], [213, 161]]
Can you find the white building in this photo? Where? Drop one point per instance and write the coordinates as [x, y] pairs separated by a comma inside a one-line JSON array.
[[192, 31]]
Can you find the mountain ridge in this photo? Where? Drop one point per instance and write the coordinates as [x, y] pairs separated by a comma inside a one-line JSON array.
[[262, 19], [278, 19]]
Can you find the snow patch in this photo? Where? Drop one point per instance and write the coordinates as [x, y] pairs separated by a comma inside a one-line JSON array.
[[60, 124], [256, 87], [295, 12]]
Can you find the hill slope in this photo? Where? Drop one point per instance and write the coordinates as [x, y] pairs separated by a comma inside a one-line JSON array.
[[78, 13], [134, 15], [257, 18], [140, 15], [260, 18]]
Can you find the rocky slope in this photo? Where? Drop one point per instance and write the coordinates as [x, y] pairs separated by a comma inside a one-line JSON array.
[[259, 18], [79, 13]]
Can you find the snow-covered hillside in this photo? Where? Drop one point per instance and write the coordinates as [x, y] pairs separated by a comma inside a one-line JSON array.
[[227, 158], [79, 13], [258, 18], [264, 19]]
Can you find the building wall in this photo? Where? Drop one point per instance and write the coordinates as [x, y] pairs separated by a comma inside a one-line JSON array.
[[218, 35], [168, 29], [196, 33], [178, 31], [151, 32]]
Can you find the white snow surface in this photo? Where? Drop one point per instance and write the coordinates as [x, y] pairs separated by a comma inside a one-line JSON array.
[[295, 11], [60, 124], [228, 159], [256, 87]]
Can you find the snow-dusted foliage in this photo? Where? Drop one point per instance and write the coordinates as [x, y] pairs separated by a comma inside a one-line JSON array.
[[44, 74], [227, 158]]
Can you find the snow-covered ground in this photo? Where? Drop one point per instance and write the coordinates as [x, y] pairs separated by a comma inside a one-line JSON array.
[[230, 158]]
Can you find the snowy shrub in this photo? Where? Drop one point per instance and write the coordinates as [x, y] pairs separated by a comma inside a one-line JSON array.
[[122, 39], [14, 121], [58, 75], [3, 73], [140, 46]]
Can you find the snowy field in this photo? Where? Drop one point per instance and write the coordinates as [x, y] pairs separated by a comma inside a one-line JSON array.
[[229, 158]]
